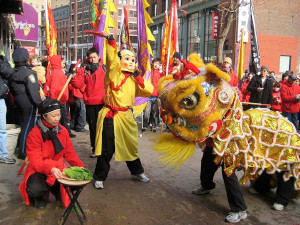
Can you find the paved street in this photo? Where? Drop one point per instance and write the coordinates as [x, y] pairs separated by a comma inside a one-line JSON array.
[[166, 199]]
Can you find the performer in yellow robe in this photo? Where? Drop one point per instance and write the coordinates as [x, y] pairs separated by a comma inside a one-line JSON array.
[[117, 131]]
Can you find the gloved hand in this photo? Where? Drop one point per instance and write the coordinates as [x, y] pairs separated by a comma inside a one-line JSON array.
[[298, 96], [136, 73], [110, 37]]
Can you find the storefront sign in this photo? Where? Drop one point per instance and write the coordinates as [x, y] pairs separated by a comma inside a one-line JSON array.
[[26, 25], [215, 25]]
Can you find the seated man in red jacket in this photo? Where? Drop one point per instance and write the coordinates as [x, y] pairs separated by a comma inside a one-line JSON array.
[[48, 145], [92, 76]]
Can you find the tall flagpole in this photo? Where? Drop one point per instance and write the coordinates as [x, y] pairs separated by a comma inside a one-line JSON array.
[[169, 47]]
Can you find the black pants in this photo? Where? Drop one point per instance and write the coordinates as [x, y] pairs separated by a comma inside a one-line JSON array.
[[27, 112], [37, 186], [63, 119], [208, 169], [108, 150], [92, 112], [284, 188]]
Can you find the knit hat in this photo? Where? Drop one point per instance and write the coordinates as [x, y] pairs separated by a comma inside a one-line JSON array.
[[227, 59], [20, 55], [177, 55], [49, 105], [265, 67], [293, 77]]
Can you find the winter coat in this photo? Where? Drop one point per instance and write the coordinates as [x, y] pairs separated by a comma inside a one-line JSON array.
[[155, 76], [265, 96], [94, 91], [233, 79], [57, 80], [288, 94], [276, 105], [5, 72], [245, 92], [24, 82], [42, 158]]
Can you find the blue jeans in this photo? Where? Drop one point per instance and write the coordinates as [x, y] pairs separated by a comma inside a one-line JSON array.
[[292, 117], [3, 133]]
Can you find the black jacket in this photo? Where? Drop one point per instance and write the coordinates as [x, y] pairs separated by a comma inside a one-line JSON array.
[[24, 82], [264, 96], [5, 72]]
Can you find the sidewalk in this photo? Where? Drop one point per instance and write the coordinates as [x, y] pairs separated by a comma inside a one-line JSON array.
[[166, 199]]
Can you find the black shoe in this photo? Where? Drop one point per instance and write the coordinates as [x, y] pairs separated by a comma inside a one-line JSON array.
[[72, 135], [21, 156], [143, 129], [82, 130], [40, 203]]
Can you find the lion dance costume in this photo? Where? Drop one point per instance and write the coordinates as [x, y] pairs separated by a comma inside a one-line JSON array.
[[198, 103]]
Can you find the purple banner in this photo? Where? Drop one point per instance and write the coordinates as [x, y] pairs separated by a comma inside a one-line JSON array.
[[99, 41], [26, 25], [143, 54]]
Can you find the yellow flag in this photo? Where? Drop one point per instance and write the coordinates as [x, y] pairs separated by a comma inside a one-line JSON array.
[[240, 68]]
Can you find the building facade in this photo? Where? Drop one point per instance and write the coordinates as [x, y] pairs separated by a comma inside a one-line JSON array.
[[277, 27], [194, 28]]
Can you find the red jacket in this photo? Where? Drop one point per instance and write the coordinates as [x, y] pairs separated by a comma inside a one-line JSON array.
[[288, 94], [94, 91], [42, 158], [276, 106], [155, 76], [245, 92], [57, 80], [234, 80]]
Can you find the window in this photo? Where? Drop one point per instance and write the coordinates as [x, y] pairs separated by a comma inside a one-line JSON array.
[[179, 2], [72, 18], [163, 6], [194, 33], [91, 39], [154, 9], [43, 6], [73, 6], [133, 39], [120, 11], [119, 25], [72, 40], [122, 1], [85, 39], [285, 63], [72, 29], [132, 2], [132, 13], [79, 29], [79, 16], [79, 5], [79, 40], [86, 15], [132, 26], [86, 26], [86, 3]]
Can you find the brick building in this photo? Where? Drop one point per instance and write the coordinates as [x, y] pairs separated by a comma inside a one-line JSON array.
[[277, 24]]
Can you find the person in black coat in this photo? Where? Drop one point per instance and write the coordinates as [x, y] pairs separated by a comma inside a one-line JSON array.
[[261, 88], [5, 72], [25, 88]]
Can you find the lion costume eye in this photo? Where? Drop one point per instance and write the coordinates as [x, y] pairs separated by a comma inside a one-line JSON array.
[[190, 102]]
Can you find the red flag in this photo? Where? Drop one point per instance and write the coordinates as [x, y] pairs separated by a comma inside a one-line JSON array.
[[173, 33], [51, 33]]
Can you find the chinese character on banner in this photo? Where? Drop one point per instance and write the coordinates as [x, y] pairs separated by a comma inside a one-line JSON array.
[[215, 25]]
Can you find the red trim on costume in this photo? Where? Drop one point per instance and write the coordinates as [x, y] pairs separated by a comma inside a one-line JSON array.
[[118, 87], [140, 81], [113, 111], [112, 43]]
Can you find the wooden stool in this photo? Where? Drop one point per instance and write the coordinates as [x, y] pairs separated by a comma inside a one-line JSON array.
[[73, 189]]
